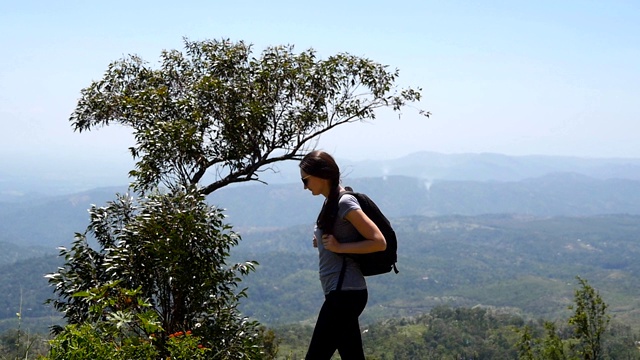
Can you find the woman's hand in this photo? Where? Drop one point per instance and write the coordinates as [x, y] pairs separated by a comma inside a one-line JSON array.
[[330, 243], [315, 242]]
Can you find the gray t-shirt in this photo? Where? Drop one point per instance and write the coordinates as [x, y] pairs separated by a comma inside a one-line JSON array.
[[330, 262]]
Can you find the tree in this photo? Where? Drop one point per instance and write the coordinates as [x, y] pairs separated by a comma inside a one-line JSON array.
[[552, 346], [588, 324], [589, 321], [218, 110], [171, 249]]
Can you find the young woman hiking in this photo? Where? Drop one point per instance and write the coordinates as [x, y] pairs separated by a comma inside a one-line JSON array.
[[341, 228]]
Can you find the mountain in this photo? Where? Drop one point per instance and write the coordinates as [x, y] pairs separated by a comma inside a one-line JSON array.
[[24, 282], [11, 253], [566, 194], [492, 167], [20, 180], [52, 221]]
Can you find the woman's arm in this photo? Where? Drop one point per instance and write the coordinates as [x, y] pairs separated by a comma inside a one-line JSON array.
[[373, 238]]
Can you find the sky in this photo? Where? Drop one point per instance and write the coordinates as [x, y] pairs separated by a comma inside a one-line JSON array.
[[512, 77]]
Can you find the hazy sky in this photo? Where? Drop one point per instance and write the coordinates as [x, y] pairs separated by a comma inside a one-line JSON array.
[[554, 77]]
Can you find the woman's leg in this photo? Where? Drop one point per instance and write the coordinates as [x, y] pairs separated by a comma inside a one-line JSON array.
[[337, 327], [324, 342], [350, 346]]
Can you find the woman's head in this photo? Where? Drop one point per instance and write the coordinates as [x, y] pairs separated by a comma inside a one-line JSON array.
[[318, 168], [321, 175]]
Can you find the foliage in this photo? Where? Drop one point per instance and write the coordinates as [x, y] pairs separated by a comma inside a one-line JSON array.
[[84, 341], [464, 333], [551, 347], [217, 108], [115, 334], [183, 345], [585, 336], [444, 333], [172, 248], [589, 321]]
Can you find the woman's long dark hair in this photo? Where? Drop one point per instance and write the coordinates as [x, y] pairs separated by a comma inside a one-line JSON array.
[[320, 164]]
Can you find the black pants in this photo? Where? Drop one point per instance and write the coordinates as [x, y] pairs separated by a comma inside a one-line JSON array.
[[338, 328]]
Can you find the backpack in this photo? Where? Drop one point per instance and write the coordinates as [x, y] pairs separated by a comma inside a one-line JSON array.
[[380, 262]]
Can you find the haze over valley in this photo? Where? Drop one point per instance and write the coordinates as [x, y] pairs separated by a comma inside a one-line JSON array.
[[488, 229]]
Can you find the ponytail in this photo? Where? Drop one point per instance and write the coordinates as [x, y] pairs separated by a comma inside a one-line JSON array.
[[329, 213]]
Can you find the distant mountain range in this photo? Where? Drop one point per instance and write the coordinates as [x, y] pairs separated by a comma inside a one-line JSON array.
[[21, 180], [494, 167], [567, 194], [425, 184]]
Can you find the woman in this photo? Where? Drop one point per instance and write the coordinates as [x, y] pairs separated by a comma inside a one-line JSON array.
[[343, 228]]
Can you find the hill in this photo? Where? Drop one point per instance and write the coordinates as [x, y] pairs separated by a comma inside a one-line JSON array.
[[24, 289], [520, 264], [523, 263], [21, 181], [560, 194], [51, 221], [492, 167]]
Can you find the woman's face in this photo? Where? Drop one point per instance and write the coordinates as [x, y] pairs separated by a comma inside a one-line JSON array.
[[316, 185]]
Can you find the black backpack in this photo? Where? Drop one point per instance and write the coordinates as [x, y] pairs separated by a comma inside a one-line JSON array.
[[380, 262]]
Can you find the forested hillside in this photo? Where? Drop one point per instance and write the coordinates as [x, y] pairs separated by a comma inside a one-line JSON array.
[[50, 221], [521, 263], [527, 264], [24, 290], [456, 333]]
